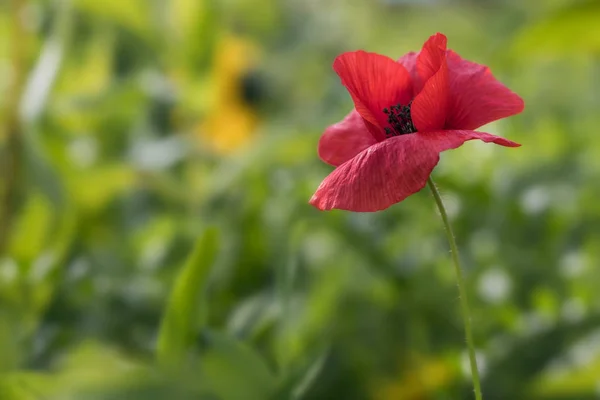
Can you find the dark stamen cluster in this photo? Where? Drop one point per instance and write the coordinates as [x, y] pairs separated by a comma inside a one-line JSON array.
[[399, 120]]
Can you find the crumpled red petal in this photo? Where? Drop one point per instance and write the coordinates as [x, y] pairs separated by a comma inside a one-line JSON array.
[[388, 172], [375, 82], [379, 176], [476, 96], [344, 140], [430, 108], [451, 139], [432, 56]]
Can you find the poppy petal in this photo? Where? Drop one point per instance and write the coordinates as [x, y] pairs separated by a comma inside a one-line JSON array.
[[451, 139], [382, 175], [344, 140], [390, 171], [409, 61], [430, 108], [432, 56], [375, 82], [476, 96]]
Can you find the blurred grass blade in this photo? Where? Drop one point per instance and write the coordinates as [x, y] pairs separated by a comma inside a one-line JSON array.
[[232, 370], [198, 25], [305, 384], [179, 323], [46, 70], [297, 382]]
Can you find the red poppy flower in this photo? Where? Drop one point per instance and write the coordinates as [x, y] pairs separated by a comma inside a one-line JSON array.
[[406, 113]]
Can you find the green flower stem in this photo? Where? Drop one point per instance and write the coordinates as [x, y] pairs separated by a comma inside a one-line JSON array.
[[464, 301]]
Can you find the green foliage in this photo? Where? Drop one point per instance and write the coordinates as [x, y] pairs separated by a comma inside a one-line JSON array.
[[226, 361], [112, 286], [187, 303], [568, 30]]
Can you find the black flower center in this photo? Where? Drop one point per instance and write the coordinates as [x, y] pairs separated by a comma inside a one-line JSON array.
[[399, 120]]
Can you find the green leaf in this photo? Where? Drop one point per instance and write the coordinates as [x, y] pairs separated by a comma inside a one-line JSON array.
[[24, 386], [571, 379], [95, 189], [180, 321], [31, 228], [197, 27], [234, 371]]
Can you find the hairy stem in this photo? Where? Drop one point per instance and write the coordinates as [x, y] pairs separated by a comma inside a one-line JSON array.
[[464, 300]]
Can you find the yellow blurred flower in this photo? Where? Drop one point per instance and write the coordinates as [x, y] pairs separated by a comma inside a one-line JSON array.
[[423, 378], [231, 120]]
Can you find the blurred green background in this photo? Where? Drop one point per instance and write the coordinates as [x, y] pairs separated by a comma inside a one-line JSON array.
[[155, 238]]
